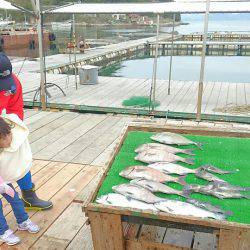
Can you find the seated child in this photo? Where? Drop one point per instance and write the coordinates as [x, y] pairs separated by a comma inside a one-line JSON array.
[[15, 162]]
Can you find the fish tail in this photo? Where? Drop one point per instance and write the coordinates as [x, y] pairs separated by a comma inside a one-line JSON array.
[[246, 189], [211, 168], [247, 196], [186, 192], [199, 145], [189, 161], [181, 180], [188, 151]]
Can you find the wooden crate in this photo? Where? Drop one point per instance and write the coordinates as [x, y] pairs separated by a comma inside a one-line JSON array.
[[109, 225]]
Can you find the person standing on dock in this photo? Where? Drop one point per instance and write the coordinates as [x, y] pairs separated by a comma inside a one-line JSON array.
[[11, 99]]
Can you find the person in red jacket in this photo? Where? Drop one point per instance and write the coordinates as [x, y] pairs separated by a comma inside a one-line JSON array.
[[11, 99]]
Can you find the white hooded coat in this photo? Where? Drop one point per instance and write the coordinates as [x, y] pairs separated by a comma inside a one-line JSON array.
[[15, 161]]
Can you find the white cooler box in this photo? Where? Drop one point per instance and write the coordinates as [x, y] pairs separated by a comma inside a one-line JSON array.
[[88, 74]]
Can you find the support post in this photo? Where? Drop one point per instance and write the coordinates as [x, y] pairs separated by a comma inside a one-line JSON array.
[[153, 89], [74, 42], [171, 56], [203, 57], [42, 66]]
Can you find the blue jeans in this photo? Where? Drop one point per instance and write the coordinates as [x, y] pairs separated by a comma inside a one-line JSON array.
[[18, 209], [25, 183]]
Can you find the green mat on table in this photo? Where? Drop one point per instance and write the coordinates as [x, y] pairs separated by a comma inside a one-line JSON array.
[[140, 102], [223, 152]]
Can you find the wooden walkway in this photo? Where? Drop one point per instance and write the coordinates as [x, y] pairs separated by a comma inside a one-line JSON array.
[[71, 151], [218, 97]]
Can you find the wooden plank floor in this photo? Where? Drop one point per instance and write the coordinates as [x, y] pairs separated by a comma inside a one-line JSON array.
[[112, 91], [64, 226]]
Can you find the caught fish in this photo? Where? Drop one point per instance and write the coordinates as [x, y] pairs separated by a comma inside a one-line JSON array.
[[163, 147], [186, 209], [208, 206], [228, 187], [216, 170], [120, 200], [154, 155], [211, 190], [137, 193], [135, 172], [201, 173], [172, 138], [154, 186], [172, 168]]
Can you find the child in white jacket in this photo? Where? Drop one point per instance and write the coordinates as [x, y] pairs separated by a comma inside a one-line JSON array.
[[15, 162]]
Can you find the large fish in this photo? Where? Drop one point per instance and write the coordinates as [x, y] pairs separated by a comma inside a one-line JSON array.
[[208, 206], [137, 193], [213, 169], [203, 174], [228, 187], [154, 155], [163, 147], [175, 139], [135, 172], [120, 200], [154, 186], [186, 209], [211, 190]]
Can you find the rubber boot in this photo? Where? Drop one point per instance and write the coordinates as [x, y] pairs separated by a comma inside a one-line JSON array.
[[32, 202]]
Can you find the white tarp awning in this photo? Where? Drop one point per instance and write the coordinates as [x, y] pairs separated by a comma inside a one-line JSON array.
[[169, 7], [7, 6]]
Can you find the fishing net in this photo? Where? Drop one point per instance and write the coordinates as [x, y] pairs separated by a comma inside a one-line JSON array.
[[223, 152]]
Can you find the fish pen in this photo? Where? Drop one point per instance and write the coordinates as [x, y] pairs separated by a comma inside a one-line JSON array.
[[117, 227]]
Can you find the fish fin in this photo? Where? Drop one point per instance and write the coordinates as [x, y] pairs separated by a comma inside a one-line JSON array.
[[188, 151], [199, 145], [189, 161], [181, 180], [228, 213], [247, 196]]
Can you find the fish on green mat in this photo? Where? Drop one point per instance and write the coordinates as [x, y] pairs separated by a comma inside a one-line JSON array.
[[134, 172], [186, 209], [216, 192], [154, 186], [154, 155], [173, 168], [120, 200], [208, 206], [137, 193], [175, 139], [228, 187], [163, 147], [203, 174]]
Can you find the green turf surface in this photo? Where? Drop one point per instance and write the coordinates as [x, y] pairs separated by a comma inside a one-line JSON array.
[[223, 152]]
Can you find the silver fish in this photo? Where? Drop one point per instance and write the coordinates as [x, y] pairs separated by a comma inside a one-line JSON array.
[[211, 190], [137, 193], [154, 186], [186, 209], [154, 155], [172, 138], [228, 187], [163, 147], [208, 206], [134, 172], [120, 200], [213, 169], [172, 168], [201, 173]]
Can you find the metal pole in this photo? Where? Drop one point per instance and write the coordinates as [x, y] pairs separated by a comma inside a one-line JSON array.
[[171, 56], [155, 64], [203, 57], [74, 50], [40, 41]]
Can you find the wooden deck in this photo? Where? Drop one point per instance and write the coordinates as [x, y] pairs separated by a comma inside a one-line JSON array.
[[71, 151], [218, 97]]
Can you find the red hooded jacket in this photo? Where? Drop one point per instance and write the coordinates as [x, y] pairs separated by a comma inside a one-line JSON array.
[[13, 103]]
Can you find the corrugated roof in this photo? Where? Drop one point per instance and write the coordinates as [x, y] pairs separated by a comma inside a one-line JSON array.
[[169, 7]]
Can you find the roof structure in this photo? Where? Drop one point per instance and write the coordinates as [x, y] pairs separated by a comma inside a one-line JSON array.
[[169, 7], [4, 5]]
